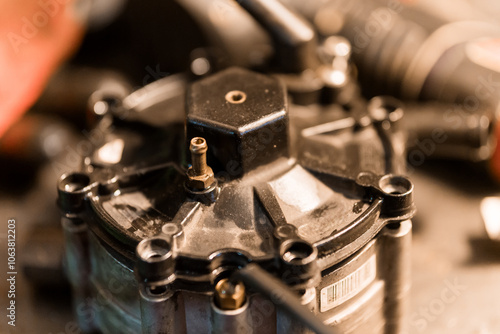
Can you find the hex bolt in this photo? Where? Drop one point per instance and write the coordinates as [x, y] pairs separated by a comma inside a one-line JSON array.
[[229, 295], [198, 150]]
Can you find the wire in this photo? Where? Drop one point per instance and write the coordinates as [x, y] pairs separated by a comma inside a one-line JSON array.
[[260, 280]]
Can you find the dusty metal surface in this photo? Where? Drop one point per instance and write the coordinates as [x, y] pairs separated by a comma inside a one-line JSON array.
[[293, 209], [455, 270]]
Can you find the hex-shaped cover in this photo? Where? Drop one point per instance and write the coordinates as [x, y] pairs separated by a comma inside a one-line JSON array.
[[242, 115]]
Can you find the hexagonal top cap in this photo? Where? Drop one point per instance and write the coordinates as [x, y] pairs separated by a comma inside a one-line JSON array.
[[242, 115]]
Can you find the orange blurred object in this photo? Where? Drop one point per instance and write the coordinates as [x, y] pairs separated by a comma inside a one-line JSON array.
[[37, 35], [495, 159]]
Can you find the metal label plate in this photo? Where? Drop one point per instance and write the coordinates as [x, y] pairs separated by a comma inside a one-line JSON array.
[[348, 287]]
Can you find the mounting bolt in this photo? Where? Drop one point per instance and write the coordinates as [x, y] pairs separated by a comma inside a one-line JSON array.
[[200, 175], [229, 295]]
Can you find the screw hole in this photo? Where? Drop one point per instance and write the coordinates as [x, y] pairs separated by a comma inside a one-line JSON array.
[[297, 251], [236, 97], [154, 249], [395, 185]]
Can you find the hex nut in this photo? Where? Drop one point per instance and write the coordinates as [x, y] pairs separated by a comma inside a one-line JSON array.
[[200, 182]]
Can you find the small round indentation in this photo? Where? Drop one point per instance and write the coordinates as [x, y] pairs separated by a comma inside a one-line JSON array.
[[285, 231], [236, 97], [395, 185], [154, 250], [170, 228], [74, 182], [365, 179]]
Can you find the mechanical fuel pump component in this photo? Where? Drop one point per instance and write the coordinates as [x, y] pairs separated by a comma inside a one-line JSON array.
[[310, 196]]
